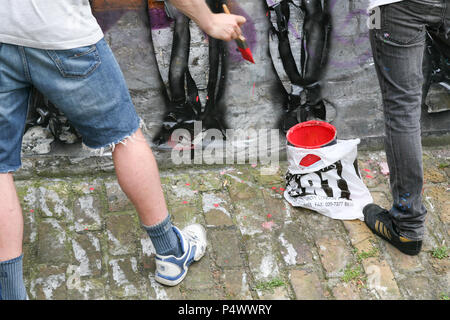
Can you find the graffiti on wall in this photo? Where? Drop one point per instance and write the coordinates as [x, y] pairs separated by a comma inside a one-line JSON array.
[[298, 42], [193, 67], [42, 113]]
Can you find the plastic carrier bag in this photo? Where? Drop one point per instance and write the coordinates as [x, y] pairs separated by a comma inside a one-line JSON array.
[[327, 180]]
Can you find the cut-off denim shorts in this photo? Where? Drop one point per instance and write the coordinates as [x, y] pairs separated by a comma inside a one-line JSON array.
[[85, 83]]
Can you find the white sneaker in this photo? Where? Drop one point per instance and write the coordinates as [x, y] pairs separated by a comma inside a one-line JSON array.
[[171, 270]]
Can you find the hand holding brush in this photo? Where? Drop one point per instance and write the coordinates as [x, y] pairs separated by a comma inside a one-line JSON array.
[[241, 42]]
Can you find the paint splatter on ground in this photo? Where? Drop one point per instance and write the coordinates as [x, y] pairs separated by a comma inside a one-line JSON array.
[[265, 239], [268, 225], [384, 168]]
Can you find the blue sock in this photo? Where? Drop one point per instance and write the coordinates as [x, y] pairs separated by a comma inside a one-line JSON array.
[[11, 280], [164, 238]]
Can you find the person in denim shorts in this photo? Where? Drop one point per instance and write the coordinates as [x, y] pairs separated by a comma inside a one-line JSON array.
[[398, 49], [58, 47]]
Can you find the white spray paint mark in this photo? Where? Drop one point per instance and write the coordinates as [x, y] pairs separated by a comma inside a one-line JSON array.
[[159, 290], [73, 278], [30, 201], [87, 207], [134, 264], [58, 204], [291, 257], [183, 192], [118, 248], [210, 202], [60, 234], [82, 258], [267, 267], [48, 284], [430, 203], [244, 287], [147, 247], [95, 242], [243, 225], [288, 208], [121, 280], [30, 197]]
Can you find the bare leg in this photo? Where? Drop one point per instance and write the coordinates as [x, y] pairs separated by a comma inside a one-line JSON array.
[[138, 176], [11, 219]]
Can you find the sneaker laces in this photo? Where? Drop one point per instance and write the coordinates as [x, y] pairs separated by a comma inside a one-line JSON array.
[[191, 235]]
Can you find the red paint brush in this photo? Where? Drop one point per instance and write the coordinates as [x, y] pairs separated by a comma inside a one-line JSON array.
[[241, 42]]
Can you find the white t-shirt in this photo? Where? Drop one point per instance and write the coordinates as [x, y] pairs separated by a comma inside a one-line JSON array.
[[48, 24], [376, 3]]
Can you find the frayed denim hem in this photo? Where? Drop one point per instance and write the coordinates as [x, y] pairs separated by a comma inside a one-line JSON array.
[[109, 147], [9, 169]]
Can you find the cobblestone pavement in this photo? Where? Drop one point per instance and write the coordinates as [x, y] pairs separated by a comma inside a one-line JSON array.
[[83, 239]]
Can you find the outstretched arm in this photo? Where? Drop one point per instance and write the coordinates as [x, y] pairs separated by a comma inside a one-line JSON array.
[[219, 26]]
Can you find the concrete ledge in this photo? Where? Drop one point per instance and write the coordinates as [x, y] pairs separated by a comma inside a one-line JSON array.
[[69, 160]]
